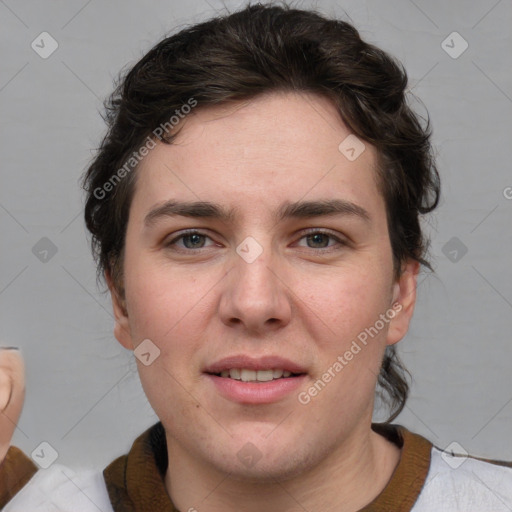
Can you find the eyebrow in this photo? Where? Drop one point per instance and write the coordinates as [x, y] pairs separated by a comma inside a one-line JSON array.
[[296, 210]]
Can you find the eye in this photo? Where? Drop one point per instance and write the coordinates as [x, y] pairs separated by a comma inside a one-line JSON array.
[[195, 240], [320, 239], [191, 240]]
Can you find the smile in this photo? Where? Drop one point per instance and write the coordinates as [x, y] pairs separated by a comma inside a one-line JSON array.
[[249, 389], [247, 375]]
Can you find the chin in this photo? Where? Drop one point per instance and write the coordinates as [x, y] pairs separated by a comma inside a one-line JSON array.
[[262, 462]]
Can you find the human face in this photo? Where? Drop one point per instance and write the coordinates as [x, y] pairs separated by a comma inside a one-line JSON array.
[[302, 301]]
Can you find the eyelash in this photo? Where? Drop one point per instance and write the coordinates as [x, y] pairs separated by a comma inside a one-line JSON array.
[[309, 232]]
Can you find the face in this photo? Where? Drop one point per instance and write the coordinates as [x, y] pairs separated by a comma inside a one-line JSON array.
[[280, 284]]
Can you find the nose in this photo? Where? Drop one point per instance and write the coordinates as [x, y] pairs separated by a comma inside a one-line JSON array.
[[256, 297]]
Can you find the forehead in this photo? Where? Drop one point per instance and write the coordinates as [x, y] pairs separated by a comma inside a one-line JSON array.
[[259, 154]]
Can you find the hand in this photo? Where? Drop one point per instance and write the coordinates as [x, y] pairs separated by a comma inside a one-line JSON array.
[[12, 394]]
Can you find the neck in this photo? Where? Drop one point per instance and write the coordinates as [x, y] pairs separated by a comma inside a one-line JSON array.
[[350, 477]]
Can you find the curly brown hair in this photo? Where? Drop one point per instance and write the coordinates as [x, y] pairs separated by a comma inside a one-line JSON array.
[[260, 49]]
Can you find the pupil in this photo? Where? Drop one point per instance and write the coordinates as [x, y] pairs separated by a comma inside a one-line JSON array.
[[193, 238], [316, 236]]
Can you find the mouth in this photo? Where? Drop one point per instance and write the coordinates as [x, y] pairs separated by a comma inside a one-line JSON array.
[[249, 375], [249, 380]]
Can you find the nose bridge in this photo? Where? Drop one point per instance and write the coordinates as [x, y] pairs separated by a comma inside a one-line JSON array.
[[253, 273], [255, 292]]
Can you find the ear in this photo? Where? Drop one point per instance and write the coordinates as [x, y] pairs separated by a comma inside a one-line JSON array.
[[404, 300], [122, 325]]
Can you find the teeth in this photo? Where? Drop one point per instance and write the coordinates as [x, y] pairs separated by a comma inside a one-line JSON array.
[[264, 375], [246, 375]]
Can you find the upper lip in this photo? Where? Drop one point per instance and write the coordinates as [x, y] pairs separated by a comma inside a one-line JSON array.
[[254, 363]]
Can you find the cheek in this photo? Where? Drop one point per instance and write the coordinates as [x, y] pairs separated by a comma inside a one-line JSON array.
[[170, 311], [351, 337], [172, 308], [348, 301], [160, 297]]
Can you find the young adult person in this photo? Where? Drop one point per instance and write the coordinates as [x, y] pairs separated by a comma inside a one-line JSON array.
[[254, 209]]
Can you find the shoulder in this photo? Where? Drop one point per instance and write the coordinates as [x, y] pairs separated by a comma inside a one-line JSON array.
[[62, 489], [455, 482]]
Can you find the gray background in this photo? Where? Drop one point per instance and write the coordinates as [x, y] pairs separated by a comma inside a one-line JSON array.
[[83, 393]]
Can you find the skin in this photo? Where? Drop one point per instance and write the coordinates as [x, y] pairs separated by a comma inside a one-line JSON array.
[[304, 299], [12, 394]]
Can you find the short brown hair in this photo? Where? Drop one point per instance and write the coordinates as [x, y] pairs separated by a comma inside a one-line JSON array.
[[260, 49]]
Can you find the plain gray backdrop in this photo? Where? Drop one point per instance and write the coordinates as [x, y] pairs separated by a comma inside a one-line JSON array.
[[83, 392]]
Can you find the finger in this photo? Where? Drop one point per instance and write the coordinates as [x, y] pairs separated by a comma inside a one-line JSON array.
[[12, 394]]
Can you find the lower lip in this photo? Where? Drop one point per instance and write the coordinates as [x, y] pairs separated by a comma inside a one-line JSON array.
[[256, 392]]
